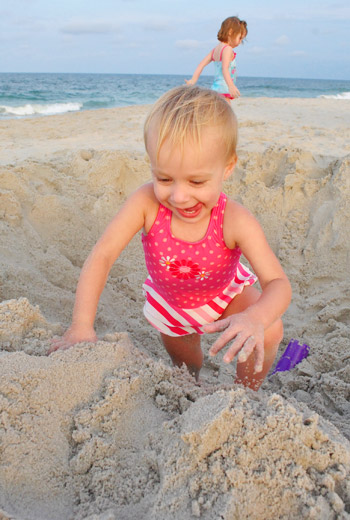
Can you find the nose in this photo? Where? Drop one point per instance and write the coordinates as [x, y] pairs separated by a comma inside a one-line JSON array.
[[179, 193]]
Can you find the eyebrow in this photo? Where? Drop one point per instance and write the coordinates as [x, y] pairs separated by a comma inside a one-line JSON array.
[[200, 173]]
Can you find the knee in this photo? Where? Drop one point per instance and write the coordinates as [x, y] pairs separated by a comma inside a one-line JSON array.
[[274, 334]]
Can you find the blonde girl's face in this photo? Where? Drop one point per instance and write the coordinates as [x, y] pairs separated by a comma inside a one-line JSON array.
[[189, 181]]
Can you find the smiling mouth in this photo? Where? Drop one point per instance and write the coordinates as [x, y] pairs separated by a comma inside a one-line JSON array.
[[191, 212]]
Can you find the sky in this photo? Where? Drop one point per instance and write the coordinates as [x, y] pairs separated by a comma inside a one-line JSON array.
[[286, 38]]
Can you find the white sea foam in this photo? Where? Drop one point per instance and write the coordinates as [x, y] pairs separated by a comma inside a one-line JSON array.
[[45, 110], [343, 95]]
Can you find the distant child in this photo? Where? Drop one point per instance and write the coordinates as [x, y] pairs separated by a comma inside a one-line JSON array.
[[193, 237], [231, 34]]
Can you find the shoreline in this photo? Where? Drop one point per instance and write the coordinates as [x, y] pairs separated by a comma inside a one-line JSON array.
[[113, 127]]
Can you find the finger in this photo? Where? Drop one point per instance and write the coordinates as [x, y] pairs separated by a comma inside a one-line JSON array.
[[233, 349], [62, 346], [216, 326], [247, 349], [259, 357], [227, 336], [56, 341], [58, 344], [53, 348], [55, 344]]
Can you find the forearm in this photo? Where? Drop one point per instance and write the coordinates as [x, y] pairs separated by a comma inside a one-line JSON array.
[[228, 79], [205, 61], [273, 302], [91, 283], [197, 73]]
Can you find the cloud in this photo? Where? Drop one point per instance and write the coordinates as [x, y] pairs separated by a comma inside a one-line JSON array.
[[282, 40], [158, 23], [298, 53], [89, 27], [104, 26], [29, 24], [188, 44], [256, 50]]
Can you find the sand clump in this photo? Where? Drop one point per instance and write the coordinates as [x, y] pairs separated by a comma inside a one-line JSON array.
[[110, 431]]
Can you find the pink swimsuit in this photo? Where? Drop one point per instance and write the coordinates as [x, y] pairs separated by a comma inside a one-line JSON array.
[[190, 284]]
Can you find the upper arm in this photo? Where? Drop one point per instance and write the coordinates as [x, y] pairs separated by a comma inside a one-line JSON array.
[[226, 57], [205, 61], [242, 229], [126, 223]]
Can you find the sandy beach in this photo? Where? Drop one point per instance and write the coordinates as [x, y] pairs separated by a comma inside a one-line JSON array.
[[109, 431]]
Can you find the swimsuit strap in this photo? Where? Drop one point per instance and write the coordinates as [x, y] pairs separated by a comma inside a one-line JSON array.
[[219, 210], [222, 50], [212, 52], [217, 219]]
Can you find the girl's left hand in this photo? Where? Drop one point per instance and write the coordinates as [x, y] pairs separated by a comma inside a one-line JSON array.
[[247, 335], [235, 93]]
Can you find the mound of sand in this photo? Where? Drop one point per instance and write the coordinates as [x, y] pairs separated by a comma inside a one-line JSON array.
[[102, 431], [110, 431]]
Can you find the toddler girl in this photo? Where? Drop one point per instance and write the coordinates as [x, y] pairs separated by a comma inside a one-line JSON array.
[[232, 32], [193, 237]]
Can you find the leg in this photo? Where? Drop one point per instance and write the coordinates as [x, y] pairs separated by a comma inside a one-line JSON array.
[[185, 349], [273, 336]]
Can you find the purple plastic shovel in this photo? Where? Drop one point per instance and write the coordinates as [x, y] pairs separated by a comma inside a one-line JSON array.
[[293, 354]]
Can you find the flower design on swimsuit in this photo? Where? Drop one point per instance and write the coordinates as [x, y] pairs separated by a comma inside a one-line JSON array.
[[166, 262], [184, 269], [203, 275]]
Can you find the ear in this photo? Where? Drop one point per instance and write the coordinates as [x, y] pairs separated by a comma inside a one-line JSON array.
[[230, 167]]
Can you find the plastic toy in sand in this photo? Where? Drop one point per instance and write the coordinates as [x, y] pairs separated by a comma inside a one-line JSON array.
[[293, 354]]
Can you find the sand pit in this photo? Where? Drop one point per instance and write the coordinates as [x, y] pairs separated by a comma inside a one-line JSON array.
[[110, 431]]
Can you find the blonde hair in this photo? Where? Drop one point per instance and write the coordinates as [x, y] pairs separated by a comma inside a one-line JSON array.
[[230, 27], [185, 112]]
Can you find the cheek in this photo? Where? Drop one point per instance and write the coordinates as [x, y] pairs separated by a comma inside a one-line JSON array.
[[211, 196], [159, 191]]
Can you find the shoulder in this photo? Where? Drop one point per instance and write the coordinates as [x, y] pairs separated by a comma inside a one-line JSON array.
[[238, 222], [145, 191], [144, 198], [235, 210], [227, 51], [142, 201], [217, 52], [144, 195]]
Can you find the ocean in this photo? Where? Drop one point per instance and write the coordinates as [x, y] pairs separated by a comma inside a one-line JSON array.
[[34, 95]]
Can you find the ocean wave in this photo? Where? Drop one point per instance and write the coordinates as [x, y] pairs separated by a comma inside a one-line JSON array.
[[343, 95], [44, 110]]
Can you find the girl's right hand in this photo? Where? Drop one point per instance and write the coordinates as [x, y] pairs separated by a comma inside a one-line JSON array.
[[72, 336]]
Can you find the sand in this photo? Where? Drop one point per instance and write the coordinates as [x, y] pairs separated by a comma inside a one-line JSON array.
[[110, 431]]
